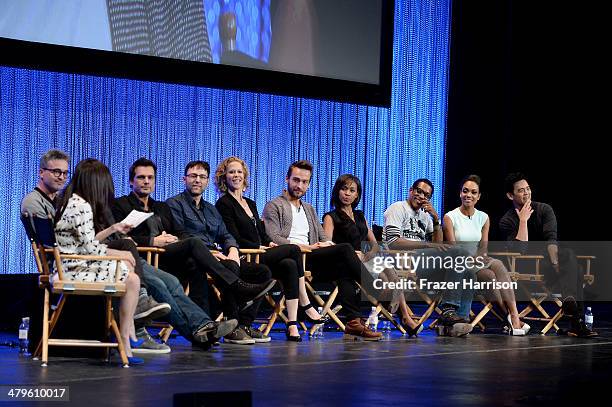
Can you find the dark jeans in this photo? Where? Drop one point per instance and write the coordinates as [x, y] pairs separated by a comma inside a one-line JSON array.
[[185, 315], [460, 297], [230, 303], [338, 263], [286, 264]]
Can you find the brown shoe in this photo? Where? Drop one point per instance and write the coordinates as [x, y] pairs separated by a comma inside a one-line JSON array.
[[356, 330]]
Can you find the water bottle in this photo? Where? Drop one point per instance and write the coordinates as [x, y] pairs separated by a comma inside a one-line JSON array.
[[372, 321], [588, 318], [318, 333], [386, 327], [24, 327]]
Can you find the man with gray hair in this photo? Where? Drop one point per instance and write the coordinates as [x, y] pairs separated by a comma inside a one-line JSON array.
[[52, 176]]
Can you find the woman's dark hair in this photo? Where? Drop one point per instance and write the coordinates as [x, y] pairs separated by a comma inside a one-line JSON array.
[[473, 177], [93, 182], [341, 182]]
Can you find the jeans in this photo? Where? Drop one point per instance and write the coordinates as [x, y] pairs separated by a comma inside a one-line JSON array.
[[461, 297], [185, 316]]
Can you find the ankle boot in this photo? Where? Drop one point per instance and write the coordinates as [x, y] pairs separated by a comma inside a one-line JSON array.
[[356, 330]]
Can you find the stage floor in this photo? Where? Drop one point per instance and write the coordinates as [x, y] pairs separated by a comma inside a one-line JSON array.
[[481, 369]]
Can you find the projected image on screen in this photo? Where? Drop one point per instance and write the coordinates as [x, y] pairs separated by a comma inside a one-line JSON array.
[[337, 39]]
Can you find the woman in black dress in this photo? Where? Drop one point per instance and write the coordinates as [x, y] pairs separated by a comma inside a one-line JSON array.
[[242, 220], [345, 224]]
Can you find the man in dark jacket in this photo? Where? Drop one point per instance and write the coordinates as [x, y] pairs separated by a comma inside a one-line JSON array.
[[530, 221], [186, 256]]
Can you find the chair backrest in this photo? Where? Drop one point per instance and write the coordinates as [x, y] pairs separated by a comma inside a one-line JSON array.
[[26, 220], [45, 233]]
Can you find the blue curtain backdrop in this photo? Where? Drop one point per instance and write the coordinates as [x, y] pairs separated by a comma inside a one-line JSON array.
[[117, 121]]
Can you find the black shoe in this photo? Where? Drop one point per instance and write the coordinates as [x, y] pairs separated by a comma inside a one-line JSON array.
[[251, 291], [579, 330], [211, 332], [303, 316], [256, 334], [292, 338], [411, 331], [570, 307]]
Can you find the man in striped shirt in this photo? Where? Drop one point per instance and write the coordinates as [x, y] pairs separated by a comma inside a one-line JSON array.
[[414, 225]]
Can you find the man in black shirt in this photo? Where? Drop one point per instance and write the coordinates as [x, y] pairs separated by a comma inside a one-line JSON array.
[[186, 257], [534, 221]]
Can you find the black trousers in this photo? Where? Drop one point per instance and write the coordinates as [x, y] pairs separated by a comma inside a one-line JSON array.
[[230, 302], [189, 260], [570, 278], [338, 263], [286, 264]]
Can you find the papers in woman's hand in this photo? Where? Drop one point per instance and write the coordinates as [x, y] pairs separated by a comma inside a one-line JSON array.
[[135, 218]]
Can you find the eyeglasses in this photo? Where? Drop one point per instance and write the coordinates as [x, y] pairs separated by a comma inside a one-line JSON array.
[[524, 190], [57, 172], [193, 177], [419, 191]]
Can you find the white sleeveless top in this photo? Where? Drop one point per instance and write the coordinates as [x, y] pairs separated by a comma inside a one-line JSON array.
[[468, 229]]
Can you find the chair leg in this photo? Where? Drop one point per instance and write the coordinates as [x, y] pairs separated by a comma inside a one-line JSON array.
[[277, 311], [383, 310], [552, 322], [165, 333], [327, 308], [54, 318], [45, 332], [115, 328], [476, 321], [107, 327], [480, 324]]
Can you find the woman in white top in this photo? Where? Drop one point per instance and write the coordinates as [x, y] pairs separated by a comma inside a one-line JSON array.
[[82, 221], [470, 227]]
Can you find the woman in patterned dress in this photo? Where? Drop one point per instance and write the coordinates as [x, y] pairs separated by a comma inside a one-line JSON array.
[[82, 221]]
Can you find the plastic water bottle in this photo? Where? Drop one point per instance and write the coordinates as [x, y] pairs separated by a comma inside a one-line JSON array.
[[588, 318], [24, 327], [318, 333], [372, 321], [386, 328]]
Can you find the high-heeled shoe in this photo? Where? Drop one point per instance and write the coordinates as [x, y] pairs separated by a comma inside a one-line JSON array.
[[292, 338], [304, 316], [515, 331]]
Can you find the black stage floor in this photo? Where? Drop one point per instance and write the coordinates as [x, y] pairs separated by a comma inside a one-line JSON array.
[[481, 369]]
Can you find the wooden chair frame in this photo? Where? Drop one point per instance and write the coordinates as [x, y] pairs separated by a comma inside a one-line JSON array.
[[536, 299], [42, 239]]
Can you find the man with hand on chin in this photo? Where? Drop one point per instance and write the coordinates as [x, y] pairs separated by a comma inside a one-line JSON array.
[[414, 225], [527, 221]]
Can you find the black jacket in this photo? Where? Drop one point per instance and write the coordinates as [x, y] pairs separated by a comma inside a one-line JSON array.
[[143, 235], [247, 234]]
